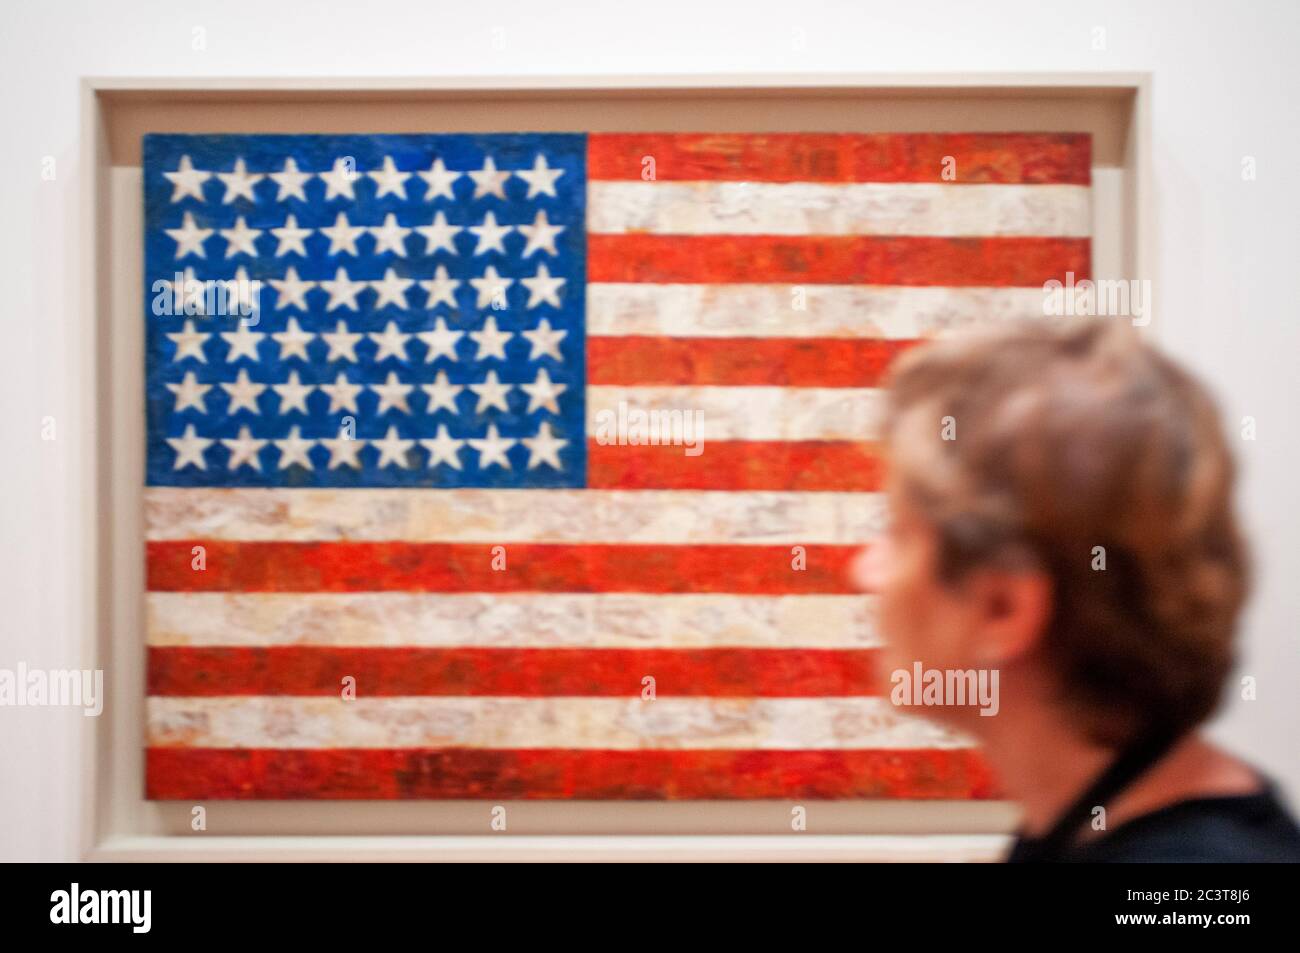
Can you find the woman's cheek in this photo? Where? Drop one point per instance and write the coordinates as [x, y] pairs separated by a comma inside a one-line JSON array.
[[907, 606], [897, 620]]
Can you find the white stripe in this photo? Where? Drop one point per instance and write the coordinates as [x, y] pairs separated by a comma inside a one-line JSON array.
[[520, 516], [736, 413], [857, 208], [511, 620], [566, 722], [800, 311]]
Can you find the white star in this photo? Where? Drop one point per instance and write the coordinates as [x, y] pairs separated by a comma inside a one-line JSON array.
[[439, 179], [391, 290], [343, 291], [545, 341], [290, 181], [338, 180], [541, 178], [189, 449], [541, 235], [444, 448], [342, 393], [491, 393], [291, 237], [293, 290], [293, 449], [293, 341], [188, 294], [393, 449], [343, 451], [343, 236], [392, 394], [239, 183], [489, 180], [491, 288], [187, 180], [391, 343], [241, 238], [439, 235], [490, 235], [243, 343], [243, 393], [441, 341], [491, 341], [342, 342], [189, 237], [441, 288], [492, 448], [243, 295], [542, 287], [293, 394], [189, 343], [189, 393], [389, 180], [542, 392], [544, 448], [442, 394], [390, 236], [244, 450]]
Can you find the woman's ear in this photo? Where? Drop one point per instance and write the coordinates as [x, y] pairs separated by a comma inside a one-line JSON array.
[[1013, 610]]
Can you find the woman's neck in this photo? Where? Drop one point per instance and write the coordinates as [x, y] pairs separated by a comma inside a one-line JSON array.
[[1043, 762]]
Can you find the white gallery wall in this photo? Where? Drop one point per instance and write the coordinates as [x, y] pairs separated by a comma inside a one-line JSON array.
[[1226, 81]]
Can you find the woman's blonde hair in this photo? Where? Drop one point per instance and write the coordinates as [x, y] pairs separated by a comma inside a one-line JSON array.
[[1079, 450]]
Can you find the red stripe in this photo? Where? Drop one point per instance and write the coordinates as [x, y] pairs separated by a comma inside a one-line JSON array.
[[739, 362], [738, 465], [384, 774], [835, 259], [518, 672], [235, 566], [1033, 158]]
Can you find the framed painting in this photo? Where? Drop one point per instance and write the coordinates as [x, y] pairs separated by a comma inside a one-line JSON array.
[[519, 467]]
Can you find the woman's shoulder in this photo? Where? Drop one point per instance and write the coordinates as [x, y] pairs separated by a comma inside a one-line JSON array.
[[1243, 828]]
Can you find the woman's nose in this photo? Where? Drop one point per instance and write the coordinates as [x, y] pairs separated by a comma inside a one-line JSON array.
[[867, 569]]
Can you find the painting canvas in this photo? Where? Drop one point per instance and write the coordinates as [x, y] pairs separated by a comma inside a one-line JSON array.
[[529, 465]]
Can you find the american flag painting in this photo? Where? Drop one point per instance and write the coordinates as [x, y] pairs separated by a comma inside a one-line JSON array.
[[404, 536]]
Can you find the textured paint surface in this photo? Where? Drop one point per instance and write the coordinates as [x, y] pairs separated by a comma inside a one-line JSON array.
[[1008, 158], [189, 773], [724, 259], [510, 620], [740, 362], [463, 567], [520, 722], [805, 465], [436, 292], [498, 608], [746, 208], [830, 313], [482, 516], [790, 414], [297, 670]]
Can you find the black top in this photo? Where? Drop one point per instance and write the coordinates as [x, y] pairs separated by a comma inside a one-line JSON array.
[[1248, 828]]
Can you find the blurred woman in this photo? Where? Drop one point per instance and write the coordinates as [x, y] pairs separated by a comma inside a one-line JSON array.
[[1061, 516]]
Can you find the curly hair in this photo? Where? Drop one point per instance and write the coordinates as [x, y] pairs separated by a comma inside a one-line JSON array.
[[1066, 437]]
